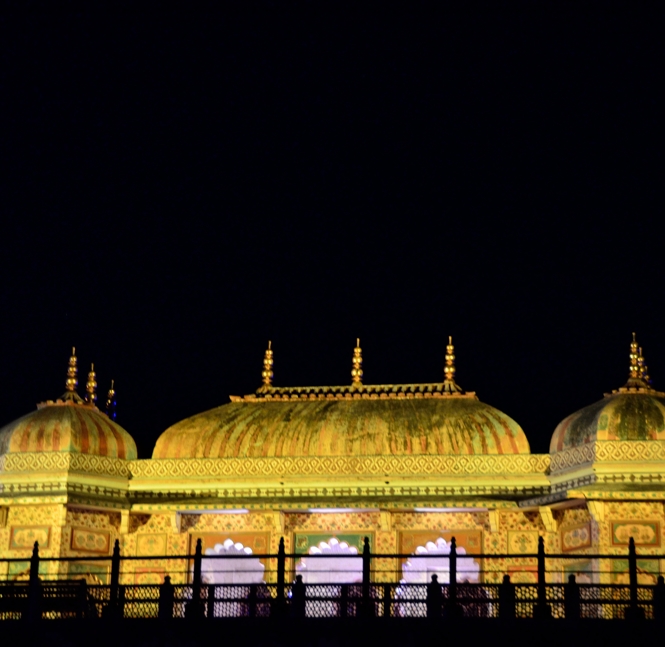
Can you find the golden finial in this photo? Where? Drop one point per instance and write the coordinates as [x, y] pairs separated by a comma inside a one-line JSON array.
[[634, 359], [72, 370], [267, 373], [357, 371], [111, 393], [449, 384], [644, 369], [449, 369], [110, 402], [91, 386]]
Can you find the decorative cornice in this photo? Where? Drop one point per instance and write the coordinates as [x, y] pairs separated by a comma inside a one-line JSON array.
[[415, 495], [517, 465], [64, 462], [608, 451], [357, 391]]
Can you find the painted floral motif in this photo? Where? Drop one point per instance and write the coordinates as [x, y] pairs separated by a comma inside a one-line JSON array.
[[152, 544], [522, 542], [644, 534], [90, 541], [576, 537], [24, 537]]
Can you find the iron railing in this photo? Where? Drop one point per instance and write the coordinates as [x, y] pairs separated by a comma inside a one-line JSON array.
[[378, 592]]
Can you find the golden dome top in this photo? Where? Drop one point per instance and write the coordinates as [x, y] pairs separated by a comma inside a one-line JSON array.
[[63, 426], [68, 424], [412, 419], [632, 412]]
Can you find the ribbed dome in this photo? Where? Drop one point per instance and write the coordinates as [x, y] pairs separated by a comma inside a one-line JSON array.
[[336, 421], [628, 414], [67, 427]]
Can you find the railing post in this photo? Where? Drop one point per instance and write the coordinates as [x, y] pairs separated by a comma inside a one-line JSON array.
[[281, 577], [633, 612], [166, 596], [82, 600], [453, 610], [659, 600], [210, 602], [344, 604], [252, 600], [194, 609], [506, 599], [542, 609], [386, 600], [34, 588], [453, 572], [121, 601], [571, 599], [115, 580], [368, 609]]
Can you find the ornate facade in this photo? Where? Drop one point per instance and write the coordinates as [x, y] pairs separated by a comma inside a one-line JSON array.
[[401, 464]]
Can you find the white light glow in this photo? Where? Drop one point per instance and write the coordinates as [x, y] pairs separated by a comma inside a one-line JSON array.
[[338, 510], [217, 511], [450, 509]]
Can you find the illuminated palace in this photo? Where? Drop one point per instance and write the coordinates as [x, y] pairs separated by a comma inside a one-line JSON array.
[[407, 465]]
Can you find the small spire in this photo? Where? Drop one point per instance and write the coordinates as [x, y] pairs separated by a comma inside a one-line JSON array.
[[110, 402], [638, 375], [72, 370], [71, 383], [357, 371], [644, 369], [450, 386], [634, 359], [91, 386], [267, 373]]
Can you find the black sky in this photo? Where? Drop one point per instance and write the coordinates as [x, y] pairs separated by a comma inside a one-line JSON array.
[[182, 185]]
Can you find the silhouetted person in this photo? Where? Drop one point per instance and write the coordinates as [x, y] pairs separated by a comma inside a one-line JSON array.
[[434, 598], [506, 599], [166, 595], [298, 598]]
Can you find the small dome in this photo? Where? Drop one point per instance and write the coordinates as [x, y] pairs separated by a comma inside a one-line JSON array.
[[633, 412], [618, 416], [413, 420], [70, 424], [67, 427], [357, 420]]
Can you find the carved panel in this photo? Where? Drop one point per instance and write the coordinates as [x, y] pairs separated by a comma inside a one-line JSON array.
[[522, 542], [85, 540], [24, 537], [576, 537], [644, 533]]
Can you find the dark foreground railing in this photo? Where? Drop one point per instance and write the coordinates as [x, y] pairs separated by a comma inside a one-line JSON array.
[[288, 596]]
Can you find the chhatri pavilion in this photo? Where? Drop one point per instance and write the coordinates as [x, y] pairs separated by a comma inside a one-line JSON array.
[[403, 464]]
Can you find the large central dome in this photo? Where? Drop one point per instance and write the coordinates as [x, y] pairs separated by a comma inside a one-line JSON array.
[[415, 420]]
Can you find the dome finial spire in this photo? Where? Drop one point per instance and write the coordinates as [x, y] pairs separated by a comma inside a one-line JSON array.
[[634, 359], [638, 377], [91, 386], [71, 383], [357, 371], [449, 384], [644, 369], [72, 370], [110, 402], [267, 373]]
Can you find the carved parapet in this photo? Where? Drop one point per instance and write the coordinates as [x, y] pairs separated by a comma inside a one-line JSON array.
[[64, 462], [648, 452], [505, 465]]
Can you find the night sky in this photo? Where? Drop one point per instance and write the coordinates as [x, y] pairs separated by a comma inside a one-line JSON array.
[[180, 186]]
